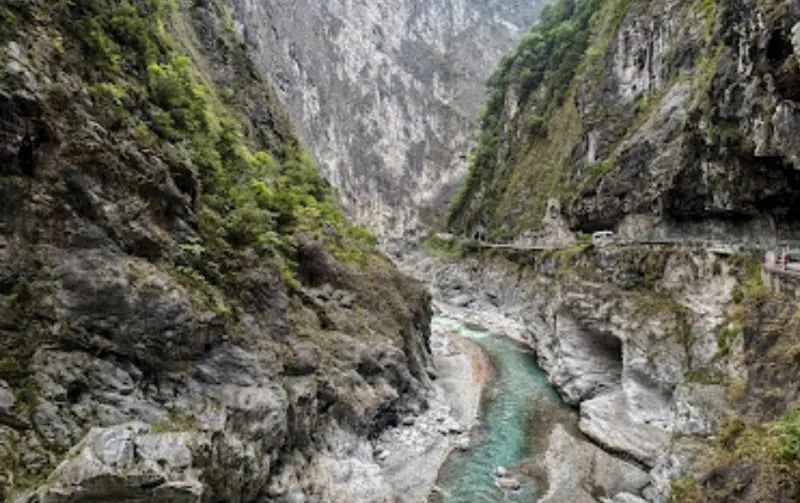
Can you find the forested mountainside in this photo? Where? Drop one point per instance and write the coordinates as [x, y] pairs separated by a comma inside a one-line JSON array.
[[655, 117], [387, 93], [185, 314], [673, 124]]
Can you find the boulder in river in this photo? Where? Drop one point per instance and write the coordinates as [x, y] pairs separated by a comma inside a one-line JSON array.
[[507, 483]]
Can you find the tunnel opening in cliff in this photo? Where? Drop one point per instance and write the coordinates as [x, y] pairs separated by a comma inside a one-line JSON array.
[[592, 358], [607, 348], [779, 47], [602, 362]]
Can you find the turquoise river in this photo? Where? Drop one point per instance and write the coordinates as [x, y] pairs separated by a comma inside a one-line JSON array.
[[518, 410]]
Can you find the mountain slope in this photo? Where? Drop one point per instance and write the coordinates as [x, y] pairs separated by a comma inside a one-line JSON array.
[[670, 116], [671, 123], [386, 92], [185, 313]]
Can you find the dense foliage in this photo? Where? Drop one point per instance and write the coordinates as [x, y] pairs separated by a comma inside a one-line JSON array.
[[142, 81], [539, 72], [248, 200]]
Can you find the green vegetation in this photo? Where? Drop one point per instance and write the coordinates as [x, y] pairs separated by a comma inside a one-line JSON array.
[[751, 286], [568, 261], [23, 480], [181, 103], [117, 35], [177, 422], [540, 71], [548, 56], [447, 248], [213, 296], [731, 332], [686, 490], [704, 80], [109, 99], [511, 179], [8, 22], [141, 80], [650, 305], [707, 10], [785, 327], [774, 446]]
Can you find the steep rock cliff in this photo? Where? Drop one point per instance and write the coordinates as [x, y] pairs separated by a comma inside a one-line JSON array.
[[386, 92], [667, 122], [185, 314], [680, 360], [653, 118]]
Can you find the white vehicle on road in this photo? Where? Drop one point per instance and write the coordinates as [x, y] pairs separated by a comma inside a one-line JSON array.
[[603, 238]]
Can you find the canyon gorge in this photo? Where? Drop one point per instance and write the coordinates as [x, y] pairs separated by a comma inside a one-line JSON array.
[[448, 251]]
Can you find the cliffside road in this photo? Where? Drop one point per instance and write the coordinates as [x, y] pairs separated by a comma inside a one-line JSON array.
[[719, 247], [791, 269]]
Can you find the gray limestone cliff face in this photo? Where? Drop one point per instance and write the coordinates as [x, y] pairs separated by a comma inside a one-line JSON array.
[[126, 373], [682, 124], [712, 152], [647, 369], [386, 92]]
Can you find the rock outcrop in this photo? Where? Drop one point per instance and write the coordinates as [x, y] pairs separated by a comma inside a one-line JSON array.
[[185, 314], [673, 122], [647, 342], [579, 472], [387, 92]]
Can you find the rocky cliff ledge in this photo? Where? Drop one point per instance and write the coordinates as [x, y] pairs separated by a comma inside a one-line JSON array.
[[185, 315], [654, 118], [676, 359]]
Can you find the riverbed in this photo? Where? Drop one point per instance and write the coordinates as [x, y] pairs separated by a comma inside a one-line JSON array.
[[518, 410]]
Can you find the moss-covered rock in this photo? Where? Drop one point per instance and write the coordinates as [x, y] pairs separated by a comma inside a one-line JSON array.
[[162, 253]]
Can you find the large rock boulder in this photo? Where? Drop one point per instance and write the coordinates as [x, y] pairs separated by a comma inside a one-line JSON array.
[[579, 472], [129, 463], [607, 419]]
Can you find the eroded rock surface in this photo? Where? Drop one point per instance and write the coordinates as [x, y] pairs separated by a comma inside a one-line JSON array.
[[387, 92], [579, 471], [185, 314], [644, 367]]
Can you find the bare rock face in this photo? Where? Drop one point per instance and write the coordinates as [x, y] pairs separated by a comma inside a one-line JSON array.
[[697, 159], [645, 366], [162, 337], [607, 419], [685, 119], [578, 471], [387, 92], [129, 463]]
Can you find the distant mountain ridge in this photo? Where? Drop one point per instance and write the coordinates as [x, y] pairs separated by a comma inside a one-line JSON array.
[[386, 92]]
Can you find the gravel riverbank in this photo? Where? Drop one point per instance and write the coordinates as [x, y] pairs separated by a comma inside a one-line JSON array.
[[412, 453]]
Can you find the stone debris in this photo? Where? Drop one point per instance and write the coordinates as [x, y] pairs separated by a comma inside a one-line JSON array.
[[507, 483], [421, 442]]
